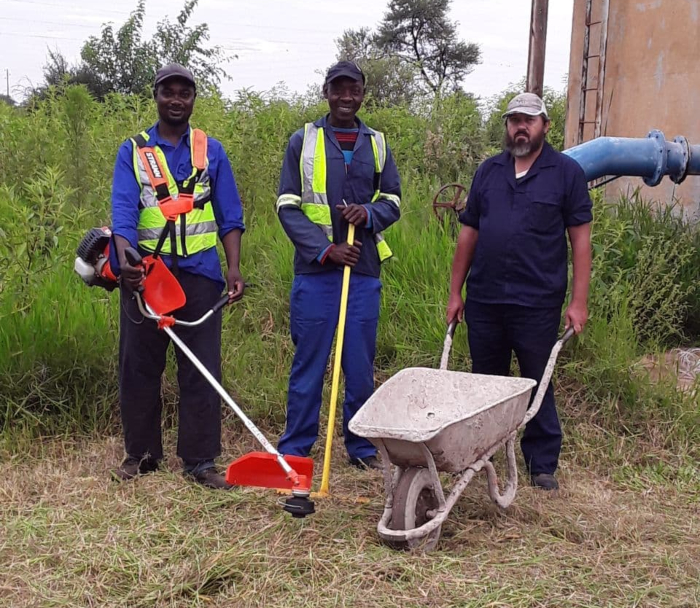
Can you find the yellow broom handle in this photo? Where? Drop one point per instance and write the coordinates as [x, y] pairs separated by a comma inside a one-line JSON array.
[[336, 369]]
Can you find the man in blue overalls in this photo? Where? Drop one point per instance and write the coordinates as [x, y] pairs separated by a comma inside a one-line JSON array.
[[336, 171], [521, 206]]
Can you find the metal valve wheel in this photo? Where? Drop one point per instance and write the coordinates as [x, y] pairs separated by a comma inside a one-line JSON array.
[[449, 201]]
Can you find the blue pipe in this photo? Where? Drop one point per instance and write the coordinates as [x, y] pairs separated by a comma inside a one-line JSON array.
[[651, 157]]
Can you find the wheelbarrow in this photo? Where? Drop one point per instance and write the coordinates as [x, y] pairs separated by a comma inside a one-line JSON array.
[[426, 421]]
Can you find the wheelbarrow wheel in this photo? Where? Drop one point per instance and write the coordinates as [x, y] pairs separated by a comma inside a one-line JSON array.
[[414, 497]]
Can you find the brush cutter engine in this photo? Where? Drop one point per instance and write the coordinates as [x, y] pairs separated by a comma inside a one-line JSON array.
[[92, 263]]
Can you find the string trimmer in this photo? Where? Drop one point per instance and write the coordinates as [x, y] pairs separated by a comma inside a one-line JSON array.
[[160, 295]]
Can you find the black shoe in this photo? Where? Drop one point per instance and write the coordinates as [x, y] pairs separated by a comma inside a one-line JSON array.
[[369, 462], [210, 478], [133, 467], [544, 481]]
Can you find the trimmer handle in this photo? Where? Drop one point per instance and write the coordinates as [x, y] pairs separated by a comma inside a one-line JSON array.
[[133, 257], [220, 304]]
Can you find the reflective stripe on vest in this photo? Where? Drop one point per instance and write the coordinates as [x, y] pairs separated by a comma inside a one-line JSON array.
[[312, 167], [201, 228]]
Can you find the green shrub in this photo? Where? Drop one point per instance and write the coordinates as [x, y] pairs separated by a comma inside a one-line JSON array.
[[58, 342]]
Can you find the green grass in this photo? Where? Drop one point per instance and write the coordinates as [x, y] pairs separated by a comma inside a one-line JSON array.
[[619, 534]]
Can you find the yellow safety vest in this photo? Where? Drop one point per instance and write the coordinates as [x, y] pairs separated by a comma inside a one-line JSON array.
[[200, 226], [314, 201]]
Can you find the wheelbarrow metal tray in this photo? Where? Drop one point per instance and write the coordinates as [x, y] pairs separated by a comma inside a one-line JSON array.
[[459, 416]]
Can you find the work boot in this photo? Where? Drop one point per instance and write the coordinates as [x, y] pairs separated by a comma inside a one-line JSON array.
[[133, 467], [209, 478], [544, 481], [366, 463]]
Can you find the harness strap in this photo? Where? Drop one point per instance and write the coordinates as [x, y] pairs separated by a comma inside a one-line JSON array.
[[169, 207]]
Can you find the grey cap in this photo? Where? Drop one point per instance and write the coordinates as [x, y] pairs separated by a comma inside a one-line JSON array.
[[174, 70], [526, 103]]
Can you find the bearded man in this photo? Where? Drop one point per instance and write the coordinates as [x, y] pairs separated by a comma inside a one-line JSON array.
[[521, 205]]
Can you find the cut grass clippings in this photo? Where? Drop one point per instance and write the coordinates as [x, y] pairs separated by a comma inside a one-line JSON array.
[[613, 536]]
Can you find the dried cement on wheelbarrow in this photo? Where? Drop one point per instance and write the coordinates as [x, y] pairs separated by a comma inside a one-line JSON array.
[[458, 415]]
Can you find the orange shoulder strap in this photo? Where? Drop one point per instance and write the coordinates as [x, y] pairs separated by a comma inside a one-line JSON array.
[[156, 173], [199, 149]]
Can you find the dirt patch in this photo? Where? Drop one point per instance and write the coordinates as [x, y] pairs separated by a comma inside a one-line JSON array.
[[681, 365]]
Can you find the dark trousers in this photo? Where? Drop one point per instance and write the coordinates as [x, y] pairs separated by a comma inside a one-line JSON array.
[[314, 306], [495, 332], [142, 356]]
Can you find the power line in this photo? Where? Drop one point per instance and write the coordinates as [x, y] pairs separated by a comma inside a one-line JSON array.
[[62, 6], [64, 24], [245, 25], [23, 35], [277, 27]]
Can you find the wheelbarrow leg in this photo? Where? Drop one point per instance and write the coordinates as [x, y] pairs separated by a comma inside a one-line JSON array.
[[505, 498], [390, 481]]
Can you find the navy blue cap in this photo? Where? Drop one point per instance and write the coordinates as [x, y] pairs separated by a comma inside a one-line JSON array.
[[349, 69], [174, 70]]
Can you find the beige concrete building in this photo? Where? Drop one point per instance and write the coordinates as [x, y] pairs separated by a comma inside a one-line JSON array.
[[634, 67]]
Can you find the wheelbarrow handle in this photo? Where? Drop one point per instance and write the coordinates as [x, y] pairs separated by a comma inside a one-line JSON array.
[[447, 345], [547, 376], [568, 334], [452, 327]]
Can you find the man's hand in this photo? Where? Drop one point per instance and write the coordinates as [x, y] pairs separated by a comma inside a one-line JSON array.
[[236, 284], [131, 276], [344, 254], [455, 308], [353, 214], [576, 316]]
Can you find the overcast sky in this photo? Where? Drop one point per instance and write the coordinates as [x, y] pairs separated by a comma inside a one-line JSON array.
[[280, 40]]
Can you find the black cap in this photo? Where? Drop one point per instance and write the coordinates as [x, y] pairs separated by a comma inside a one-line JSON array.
[[349, 69], [174, 70]]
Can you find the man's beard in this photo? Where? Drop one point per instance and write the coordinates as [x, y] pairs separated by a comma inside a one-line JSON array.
[[518, 150]]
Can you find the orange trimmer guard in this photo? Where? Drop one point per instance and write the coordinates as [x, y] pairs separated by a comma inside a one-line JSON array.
[[161, 290], [262, 470]]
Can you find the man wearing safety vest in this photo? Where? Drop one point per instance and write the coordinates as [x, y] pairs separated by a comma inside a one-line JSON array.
[[336, 171], [172, 164]]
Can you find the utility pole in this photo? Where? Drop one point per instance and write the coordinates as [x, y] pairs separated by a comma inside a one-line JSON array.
[[538, 42], [7, 81]]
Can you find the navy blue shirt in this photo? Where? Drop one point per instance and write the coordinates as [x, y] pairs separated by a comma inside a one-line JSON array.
[[521, 253], [225, 200]]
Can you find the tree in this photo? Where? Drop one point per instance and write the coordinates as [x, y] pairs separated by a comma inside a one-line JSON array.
[[418, 33], [389, 81], [556, 110], [7, 99], [120, 61], [413, 56]]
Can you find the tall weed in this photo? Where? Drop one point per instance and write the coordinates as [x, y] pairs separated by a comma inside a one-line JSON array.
[[58, 341]]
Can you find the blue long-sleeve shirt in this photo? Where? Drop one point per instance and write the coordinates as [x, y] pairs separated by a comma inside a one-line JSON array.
[[353, 183], [226, 202]]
